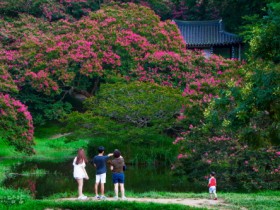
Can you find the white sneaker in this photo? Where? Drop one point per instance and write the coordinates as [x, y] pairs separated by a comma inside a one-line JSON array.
[[82, 197], [103, 197], [97, 197], [124, 198], [116, 198]]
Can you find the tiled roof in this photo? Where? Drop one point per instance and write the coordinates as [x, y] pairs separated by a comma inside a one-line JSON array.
[[206, 33]]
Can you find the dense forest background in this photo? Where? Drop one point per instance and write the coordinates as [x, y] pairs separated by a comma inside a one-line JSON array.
[[231, 11]]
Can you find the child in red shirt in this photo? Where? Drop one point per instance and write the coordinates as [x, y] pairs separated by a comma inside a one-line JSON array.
[[212, 185]]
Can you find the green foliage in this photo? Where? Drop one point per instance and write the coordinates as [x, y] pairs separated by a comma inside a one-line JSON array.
[[13, 197], [141, 104], [262, 34], [239, 136], [252, 110], [132, 117], [139, 145], [44, 109]]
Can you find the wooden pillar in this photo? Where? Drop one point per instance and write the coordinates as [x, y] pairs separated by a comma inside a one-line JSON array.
[[239, 52], [232, 51]]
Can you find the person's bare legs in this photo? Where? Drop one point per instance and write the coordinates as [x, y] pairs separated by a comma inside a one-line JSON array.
[[215, 195], [102, 189], [96, 188], [122, 190], [80, 186], [116, 187]]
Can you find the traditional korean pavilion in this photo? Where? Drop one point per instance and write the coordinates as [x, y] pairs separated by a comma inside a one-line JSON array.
[[210, 37]]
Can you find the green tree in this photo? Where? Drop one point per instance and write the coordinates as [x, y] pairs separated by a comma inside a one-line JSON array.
[[262, 34], [141, 104]]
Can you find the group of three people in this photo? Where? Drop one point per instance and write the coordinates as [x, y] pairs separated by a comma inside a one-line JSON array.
[[117, 165]]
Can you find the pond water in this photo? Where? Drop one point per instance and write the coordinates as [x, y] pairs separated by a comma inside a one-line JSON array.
[[58, 178]]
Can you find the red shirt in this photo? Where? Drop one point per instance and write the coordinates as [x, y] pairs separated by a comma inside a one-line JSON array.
[[212, 182]]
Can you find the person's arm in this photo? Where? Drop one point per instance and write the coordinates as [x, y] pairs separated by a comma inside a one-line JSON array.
[[111, 165], [93, 162], [86, 175], [110, 154]]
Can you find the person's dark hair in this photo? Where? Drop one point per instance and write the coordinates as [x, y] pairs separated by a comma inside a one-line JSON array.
[[212, 173], [81, 156], [117, 153], [101, 149]]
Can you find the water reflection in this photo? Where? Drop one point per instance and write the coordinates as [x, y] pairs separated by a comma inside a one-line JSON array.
[[58, 178]]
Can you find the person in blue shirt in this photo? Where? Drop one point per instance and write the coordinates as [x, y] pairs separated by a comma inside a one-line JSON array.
[[99, 161]]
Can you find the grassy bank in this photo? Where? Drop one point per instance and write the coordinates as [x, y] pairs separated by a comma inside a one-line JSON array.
[[255, 201], [104, 205]]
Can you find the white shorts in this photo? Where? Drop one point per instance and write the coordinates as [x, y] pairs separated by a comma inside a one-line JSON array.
[[212, 189], [101, 178]]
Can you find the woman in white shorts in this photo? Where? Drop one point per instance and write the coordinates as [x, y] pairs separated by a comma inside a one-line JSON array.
[[80, 173]]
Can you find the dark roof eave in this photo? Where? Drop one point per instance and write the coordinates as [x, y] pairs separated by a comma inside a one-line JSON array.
[[212, 44]]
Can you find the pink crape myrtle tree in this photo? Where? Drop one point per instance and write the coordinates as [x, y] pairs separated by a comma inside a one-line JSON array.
[[16, 125]]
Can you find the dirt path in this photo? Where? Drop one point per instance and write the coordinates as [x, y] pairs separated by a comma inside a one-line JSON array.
[[195, 202], [59, 135]]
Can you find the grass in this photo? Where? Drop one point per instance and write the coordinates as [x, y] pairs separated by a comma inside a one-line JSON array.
[[103, 205], [56, 149], [255, 201], [46, 149]]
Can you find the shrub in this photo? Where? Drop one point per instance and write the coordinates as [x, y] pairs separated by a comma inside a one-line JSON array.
[[16, 125], [13, 197]]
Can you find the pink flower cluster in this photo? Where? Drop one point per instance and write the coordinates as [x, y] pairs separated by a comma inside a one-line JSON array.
[[181, 156], [178, 139], [18, 114]]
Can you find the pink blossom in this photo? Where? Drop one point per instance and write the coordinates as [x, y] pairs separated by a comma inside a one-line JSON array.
[[177, 140], [209, 161], [255, 169], [180, 156]]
